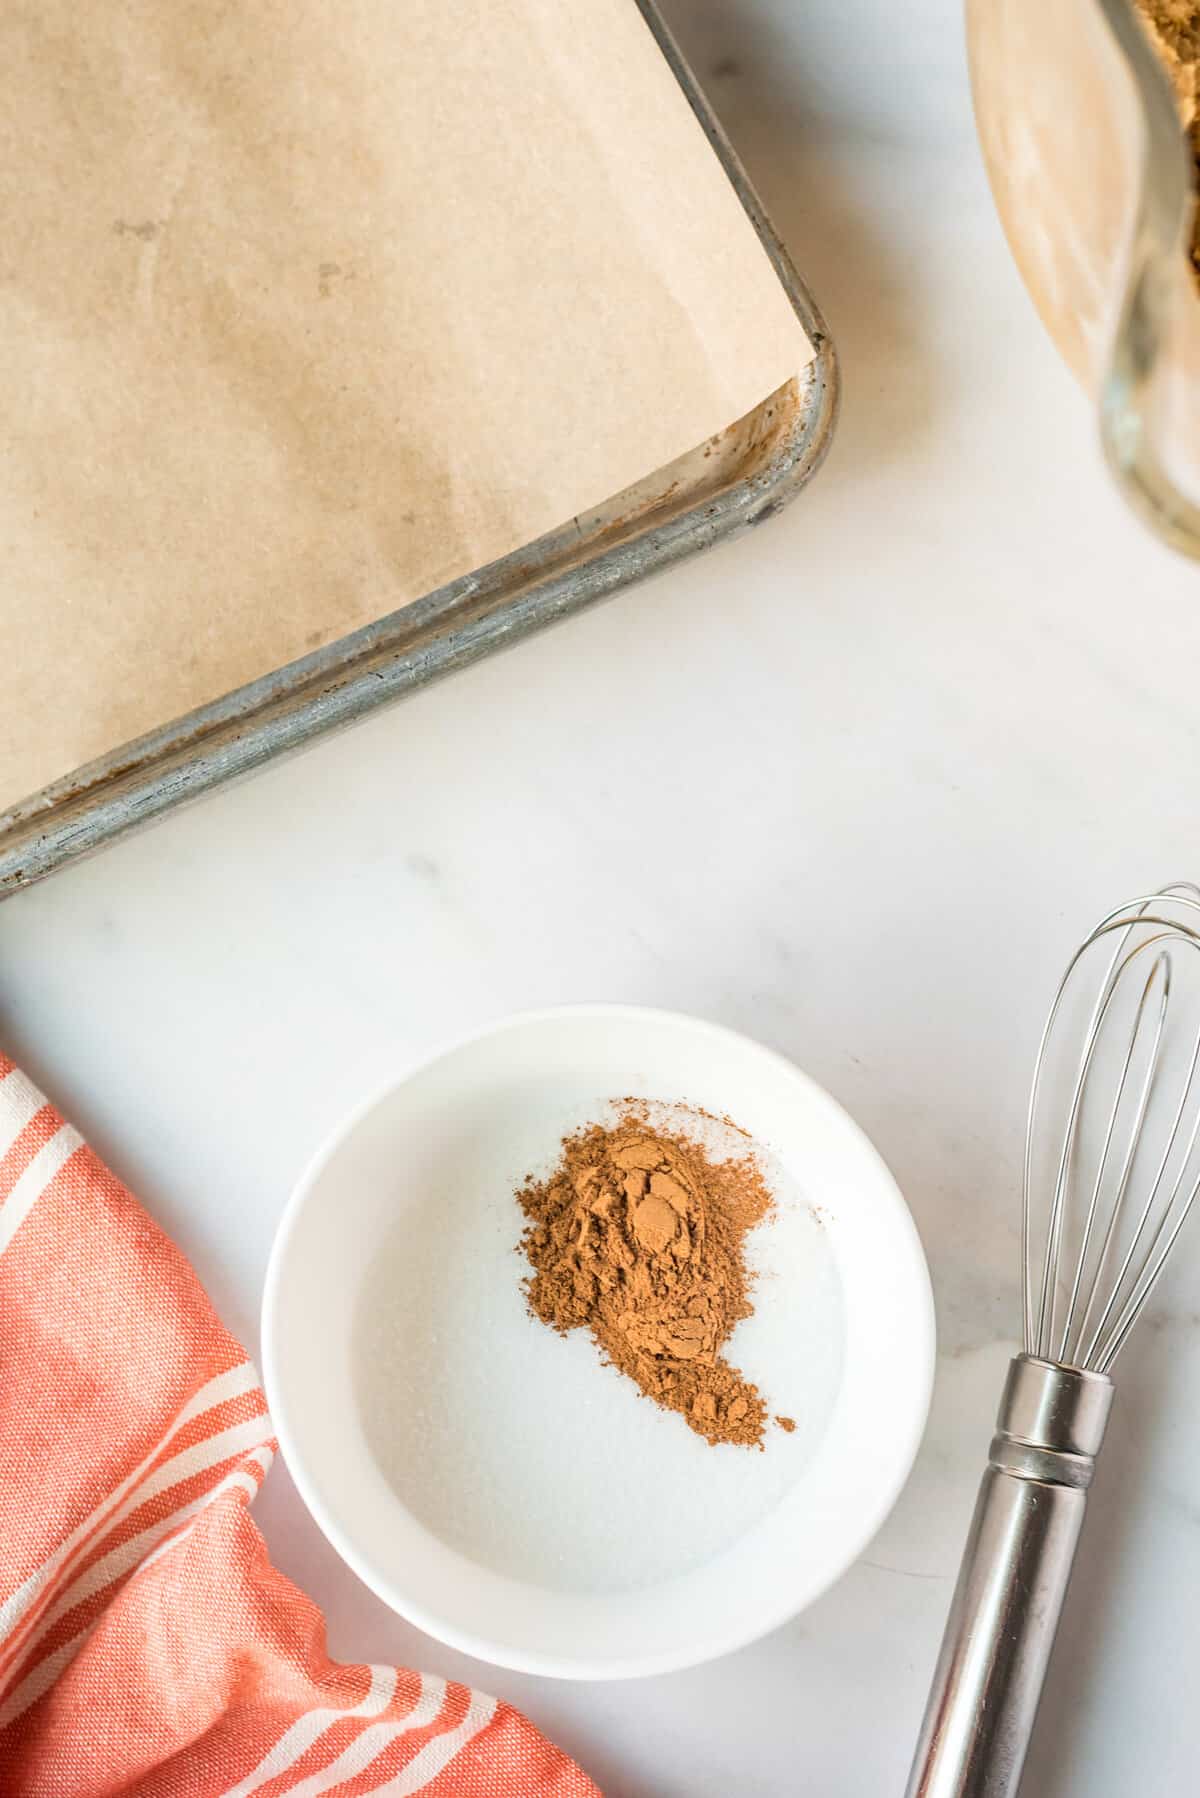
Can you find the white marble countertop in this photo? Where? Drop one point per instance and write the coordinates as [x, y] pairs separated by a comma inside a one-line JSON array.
[[855, 785]]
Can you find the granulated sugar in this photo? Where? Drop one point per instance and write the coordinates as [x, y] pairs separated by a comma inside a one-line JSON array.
[[519, 1447]]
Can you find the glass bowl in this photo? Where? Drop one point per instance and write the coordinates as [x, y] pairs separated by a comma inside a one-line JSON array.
[[1094, 185]]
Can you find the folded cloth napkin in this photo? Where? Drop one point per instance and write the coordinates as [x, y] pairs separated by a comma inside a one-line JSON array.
[[147, 1645]]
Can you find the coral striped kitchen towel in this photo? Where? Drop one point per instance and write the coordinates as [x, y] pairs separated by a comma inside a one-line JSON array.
[[147, 1645]]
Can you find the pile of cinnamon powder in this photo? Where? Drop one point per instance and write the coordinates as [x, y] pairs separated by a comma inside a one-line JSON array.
[[637, 1236]]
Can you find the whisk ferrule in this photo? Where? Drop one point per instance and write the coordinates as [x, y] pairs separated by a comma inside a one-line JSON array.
[[1051, 1422]]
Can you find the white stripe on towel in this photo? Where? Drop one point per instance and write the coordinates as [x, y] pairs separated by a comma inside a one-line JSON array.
[[234, 1383], [20, 1102], [371, 1742], [46, 1672], [119, 1561], [299, 1738], [436, 1756], [29, 1186]]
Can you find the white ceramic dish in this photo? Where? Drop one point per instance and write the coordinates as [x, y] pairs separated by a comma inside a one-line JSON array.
[[494, 1482]]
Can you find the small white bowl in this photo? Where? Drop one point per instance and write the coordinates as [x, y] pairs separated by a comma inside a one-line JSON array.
[[499, 1485]]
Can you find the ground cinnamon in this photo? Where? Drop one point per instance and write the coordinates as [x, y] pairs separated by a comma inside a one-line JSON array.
[[638, 1236]]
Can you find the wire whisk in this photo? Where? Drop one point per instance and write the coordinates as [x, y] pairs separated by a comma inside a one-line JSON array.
[[1111, 1171], [1071, 1321]]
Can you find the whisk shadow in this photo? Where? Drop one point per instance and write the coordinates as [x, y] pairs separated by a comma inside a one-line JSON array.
[[1091, 1625]]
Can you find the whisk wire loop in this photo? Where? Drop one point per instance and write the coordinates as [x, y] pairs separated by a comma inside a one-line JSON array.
[[1090, 1353], [1066, 1289], [1160, 972]]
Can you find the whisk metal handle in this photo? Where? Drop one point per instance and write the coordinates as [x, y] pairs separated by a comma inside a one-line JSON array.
[[1011, 1586]]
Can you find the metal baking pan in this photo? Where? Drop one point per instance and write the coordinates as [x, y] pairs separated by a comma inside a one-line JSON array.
[[747, 473]]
